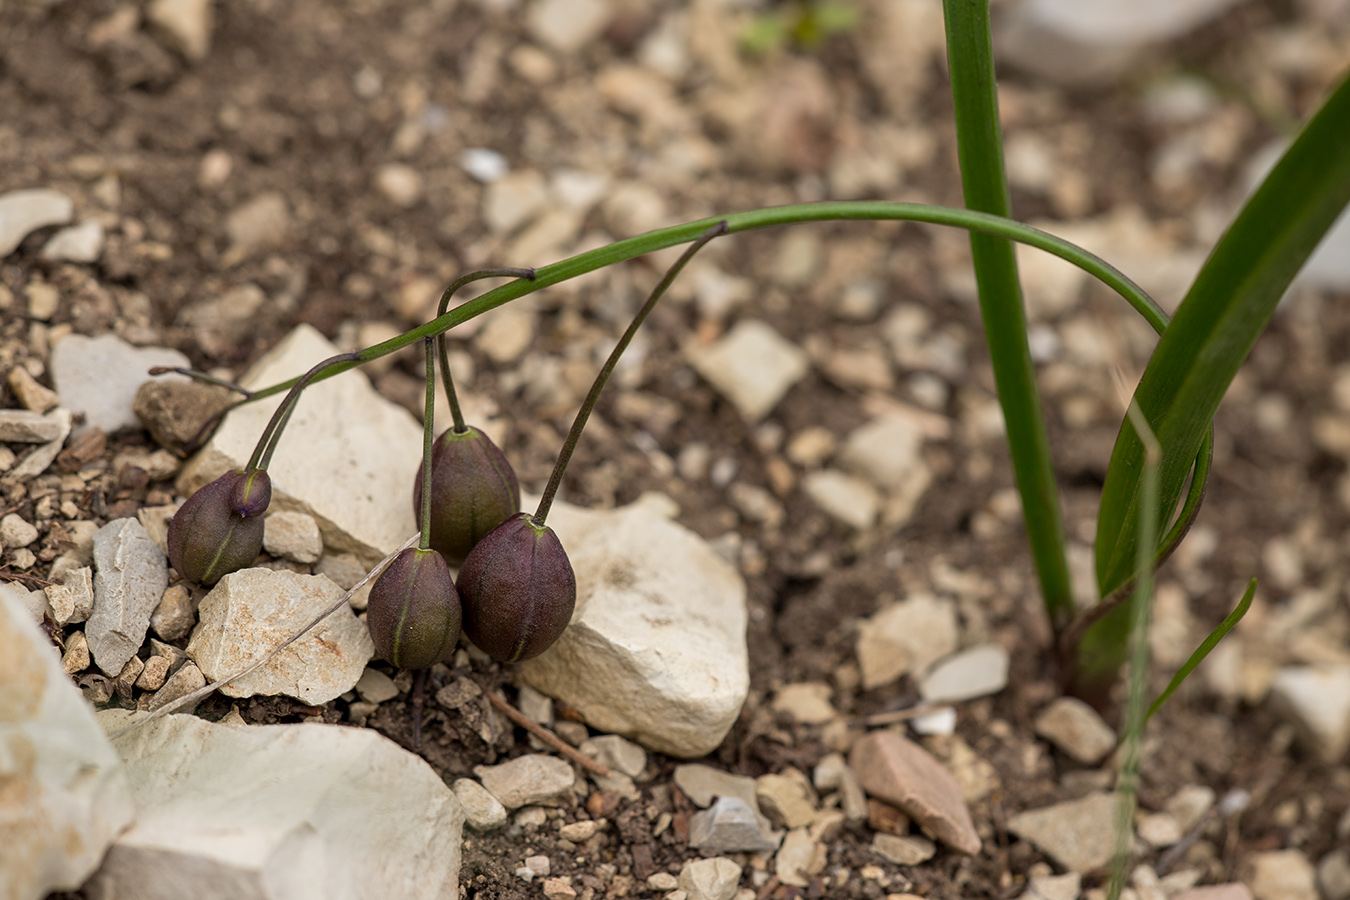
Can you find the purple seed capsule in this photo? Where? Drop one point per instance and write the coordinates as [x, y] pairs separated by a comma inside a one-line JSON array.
[[414, 611], [473, 490], [518, 590], [209, 538]]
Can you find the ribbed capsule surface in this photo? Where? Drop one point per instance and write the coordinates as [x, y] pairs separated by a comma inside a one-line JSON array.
[[414, 610], [208, 539], [473, 490], [518, 590]]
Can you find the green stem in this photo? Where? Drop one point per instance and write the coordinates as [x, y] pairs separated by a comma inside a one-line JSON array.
[[579, 423], [980, 150], [750, 220], [451, 397], [428, 439], [267, 441]]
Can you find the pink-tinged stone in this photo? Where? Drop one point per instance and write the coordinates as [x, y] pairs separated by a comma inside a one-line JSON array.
[[893, 768]]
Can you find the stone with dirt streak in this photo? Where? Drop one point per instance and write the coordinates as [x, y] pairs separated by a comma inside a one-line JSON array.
[[130, 574], [531, 780], [656, 648], [65, 795], [251, 611], [353, 471], [345, 813], [893, 768]]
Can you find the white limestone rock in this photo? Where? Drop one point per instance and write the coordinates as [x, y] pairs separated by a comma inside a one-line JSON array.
[[292, 535], [99, 377], [1077, 729], [906, 637], [843, 497], [278, 812], [251, 611], [568, 25], [1079, 834], [347, 458], [81, 243], [753, 366], [656, 648], [187, 24], [484, 811], [616, 752], [1280, 875], [886, 451], [1077, 43], [975, 672], [27, 427], [23, 212], [36, 462], [1316, 699], [710, 879], [73, 599], [130, 574], [33, 603], [535, 779], [65, 795]]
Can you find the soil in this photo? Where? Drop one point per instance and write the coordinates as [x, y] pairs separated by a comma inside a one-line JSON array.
[[314, 100]]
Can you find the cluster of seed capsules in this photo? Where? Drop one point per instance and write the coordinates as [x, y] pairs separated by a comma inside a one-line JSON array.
[[515, 592]]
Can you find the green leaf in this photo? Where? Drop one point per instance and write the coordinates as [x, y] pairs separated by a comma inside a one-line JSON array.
[[1216, 325], [1206, 645], [979, 145]]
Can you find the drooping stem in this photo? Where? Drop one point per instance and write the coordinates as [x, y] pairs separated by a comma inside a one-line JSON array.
[[428, 439], [749, 220], [573, 436], [267, 442], [450, 396]]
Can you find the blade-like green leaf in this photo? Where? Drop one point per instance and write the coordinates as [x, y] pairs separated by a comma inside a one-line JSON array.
[[1208, 644], [1216, 325], [979, 145]]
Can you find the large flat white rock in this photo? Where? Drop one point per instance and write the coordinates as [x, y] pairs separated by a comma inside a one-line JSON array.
[[347, 458], [252, 611], [656, 649], [64, 793], [281, 812]]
